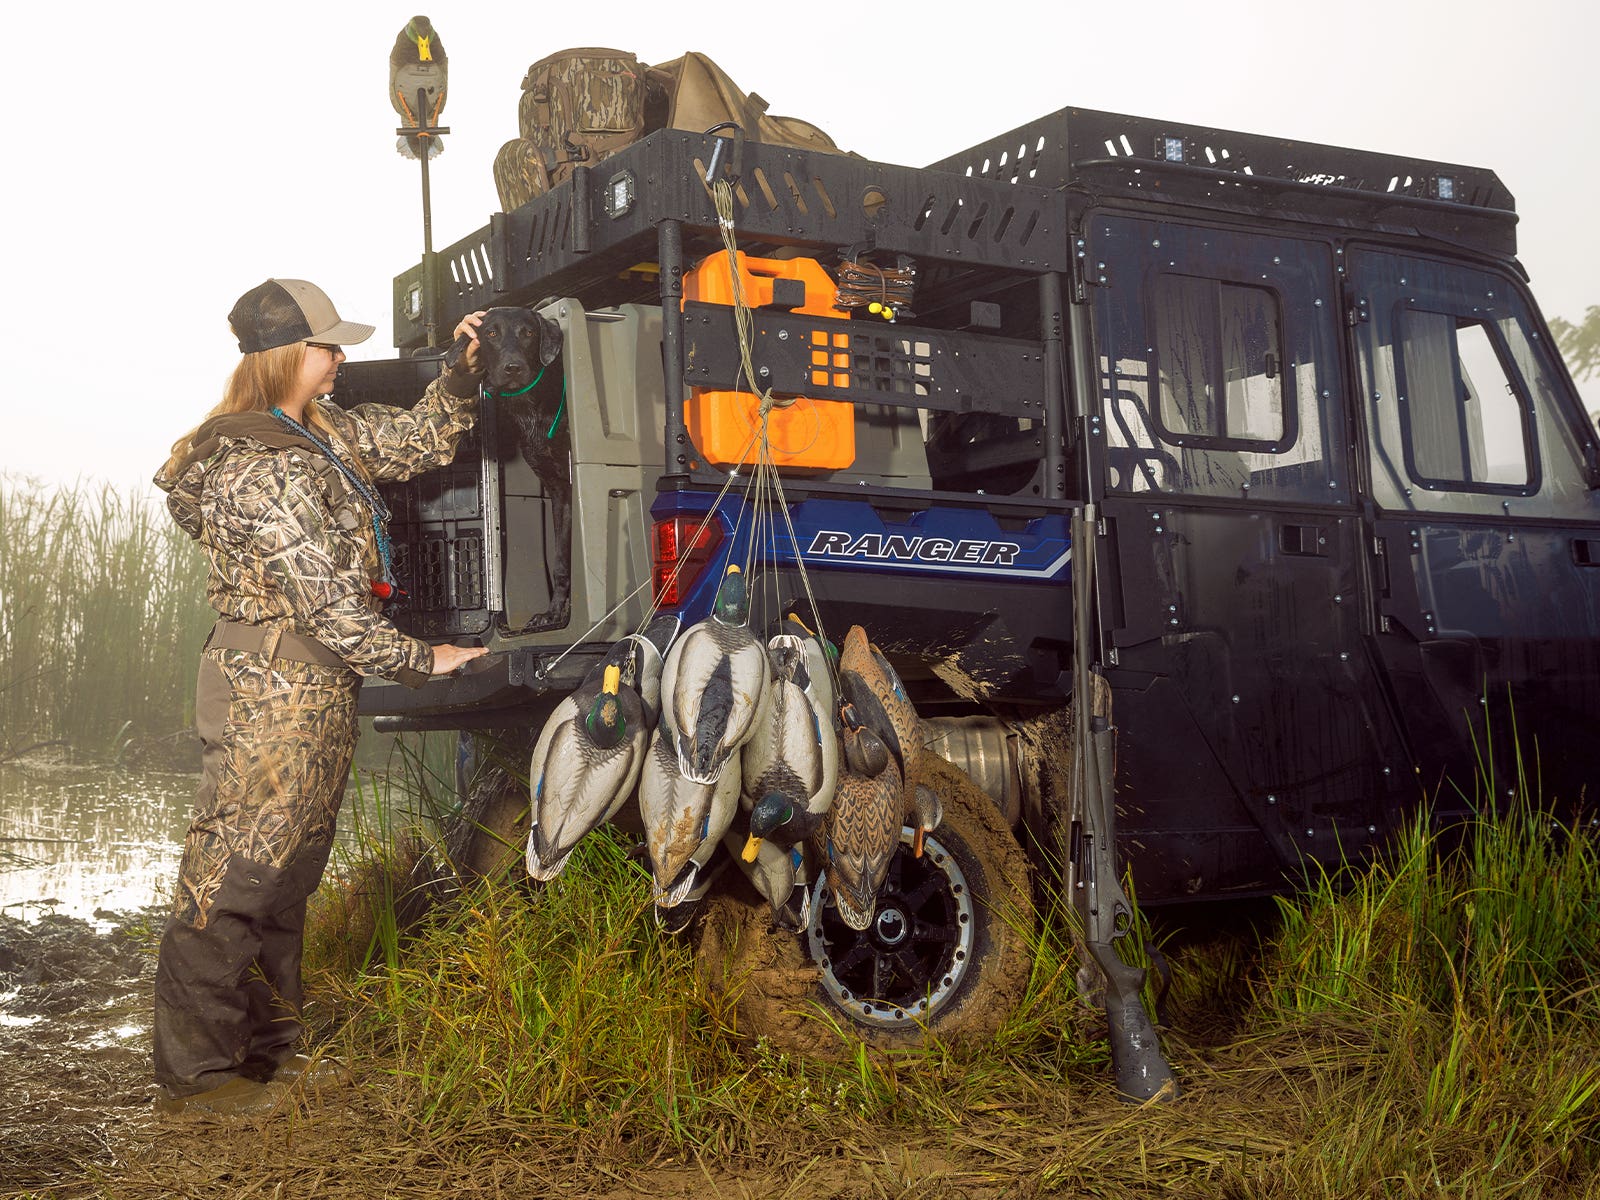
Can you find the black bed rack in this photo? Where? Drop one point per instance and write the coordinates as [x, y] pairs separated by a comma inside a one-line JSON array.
[[599, 237], [998, 207], [1171, 161]]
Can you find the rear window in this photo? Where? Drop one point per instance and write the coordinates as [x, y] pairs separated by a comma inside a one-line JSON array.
[[1219, 353]]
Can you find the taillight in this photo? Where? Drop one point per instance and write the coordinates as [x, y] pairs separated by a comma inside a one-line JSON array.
[[682, 550]]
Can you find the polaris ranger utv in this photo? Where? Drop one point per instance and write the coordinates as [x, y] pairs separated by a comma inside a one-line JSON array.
[[1256, 455]]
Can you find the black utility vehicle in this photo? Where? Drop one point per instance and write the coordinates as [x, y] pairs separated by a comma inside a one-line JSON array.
[[1255, 453]]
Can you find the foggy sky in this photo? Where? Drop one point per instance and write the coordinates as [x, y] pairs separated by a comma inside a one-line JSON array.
[[166, 157]]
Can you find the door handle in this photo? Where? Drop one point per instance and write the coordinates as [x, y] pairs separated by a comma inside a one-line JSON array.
[[1306, 540]]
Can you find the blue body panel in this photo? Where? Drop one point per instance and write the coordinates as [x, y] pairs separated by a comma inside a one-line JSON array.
[[955, 544]]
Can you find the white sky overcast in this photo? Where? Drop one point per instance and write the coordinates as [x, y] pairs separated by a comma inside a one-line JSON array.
[[165, 157]]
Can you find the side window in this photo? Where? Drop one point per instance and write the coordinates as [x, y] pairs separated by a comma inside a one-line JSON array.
[[1465, 417], [1465, 407], [1219, 354]]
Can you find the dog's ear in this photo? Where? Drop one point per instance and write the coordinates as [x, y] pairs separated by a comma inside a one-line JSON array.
[[453, 355], [549, 340]]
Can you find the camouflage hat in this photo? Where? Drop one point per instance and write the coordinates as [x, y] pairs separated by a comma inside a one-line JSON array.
[[281, 312]]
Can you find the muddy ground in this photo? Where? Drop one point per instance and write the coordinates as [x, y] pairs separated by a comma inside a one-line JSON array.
[[76, 1116], [75, 1041]]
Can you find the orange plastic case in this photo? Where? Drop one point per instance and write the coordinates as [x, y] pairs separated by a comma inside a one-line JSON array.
[[813, 434]]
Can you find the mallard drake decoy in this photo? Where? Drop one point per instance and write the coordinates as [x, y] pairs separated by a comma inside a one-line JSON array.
[[774, 860], [781, 820], [794, 746], [651, 647], [418, 63], [592, 747], [713, 684], [862, 833], [683, 820]]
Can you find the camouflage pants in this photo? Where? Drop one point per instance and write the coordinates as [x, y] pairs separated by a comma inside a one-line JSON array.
[[276, 744]]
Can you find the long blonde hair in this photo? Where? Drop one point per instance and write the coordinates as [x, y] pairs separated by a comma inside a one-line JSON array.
[[259, 384]]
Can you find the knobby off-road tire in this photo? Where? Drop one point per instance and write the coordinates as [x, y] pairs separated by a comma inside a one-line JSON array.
[[951, 937], [489, 833]]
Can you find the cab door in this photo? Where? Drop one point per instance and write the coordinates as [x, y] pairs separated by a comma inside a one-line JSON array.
[[1254, 733], [1487, 526]]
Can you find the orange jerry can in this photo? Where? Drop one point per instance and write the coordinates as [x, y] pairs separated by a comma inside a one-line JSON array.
[[806, 433]]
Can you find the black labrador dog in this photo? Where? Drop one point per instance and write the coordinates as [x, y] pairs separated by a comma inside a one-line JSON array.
[[515, 346]]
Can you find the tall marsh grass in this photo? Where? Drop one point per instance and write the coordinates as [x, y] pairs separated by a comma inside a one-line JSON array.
[[1425, 1025], [1460, 979], [102, 614]]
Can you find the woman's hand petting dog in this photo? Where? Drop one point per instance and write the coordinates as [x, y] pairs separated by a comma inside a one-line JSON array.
[[468, 328], [447, 658]]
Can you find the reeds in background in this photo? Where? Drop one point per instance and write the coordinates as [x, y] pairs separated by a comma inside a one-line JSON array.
[[102, 615]]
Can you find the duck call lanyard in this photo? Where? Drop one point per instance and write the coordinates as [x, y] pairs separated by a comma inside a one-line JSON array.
[[380, 510]]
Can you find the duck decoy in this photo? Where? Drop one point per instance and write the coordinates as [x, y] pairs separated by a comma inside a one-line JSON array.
[[774, 856], [874, 687], [862, 832], [684, 820], [419, 74], [592, 748], [794, 746], [869, 683], [713, 685]]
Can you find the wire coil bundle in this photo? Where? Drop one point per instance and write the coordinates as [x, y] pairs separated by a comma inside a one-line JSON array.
[[882, 291]]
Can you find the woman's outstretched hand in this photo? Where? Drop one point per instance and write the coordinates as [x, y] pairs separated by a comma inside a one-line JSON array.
[[447, 658], [467, 328]]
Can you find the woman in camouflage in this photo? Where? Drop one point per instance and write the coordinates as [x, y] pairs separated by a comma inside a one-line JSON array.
[[277, 487]]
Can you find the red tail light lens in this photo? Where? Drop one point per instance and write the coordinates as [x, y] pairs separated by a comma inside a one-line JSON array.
[[682, 547]]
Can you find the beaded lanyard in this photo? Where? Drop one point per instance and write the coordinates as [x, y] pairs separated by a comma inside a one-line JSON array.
[[380, 510]]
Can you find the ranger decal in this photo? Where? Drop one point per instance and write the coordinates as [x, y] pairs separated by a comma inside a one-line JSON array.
[[833, 543]]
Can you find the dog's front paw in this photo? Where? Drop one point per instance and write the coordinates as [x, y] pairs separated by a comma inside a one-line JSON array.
[[555, 618]]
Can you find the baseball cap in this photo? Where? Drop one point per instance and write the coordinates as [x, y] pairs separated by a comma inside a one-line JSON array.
[[281, 312]]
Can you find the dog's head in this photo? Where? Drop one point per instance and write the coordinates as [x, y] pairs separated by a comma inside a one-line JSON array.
[[514, 344]]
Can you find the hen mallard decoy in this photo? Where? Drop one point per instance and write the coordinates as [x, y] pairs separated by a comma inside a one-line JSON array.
[[713, 685], [869, 683], [418, 63], [862, 833], [874, 687], [592, 748], [683, 820]]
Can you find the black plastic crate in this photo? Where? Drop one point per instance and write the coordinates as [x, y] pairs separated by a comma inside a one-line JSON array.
[[437, 524]]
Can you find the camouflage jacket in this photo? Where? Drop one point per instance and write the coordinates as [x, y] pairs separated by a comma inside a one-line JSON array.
[[290, 541]]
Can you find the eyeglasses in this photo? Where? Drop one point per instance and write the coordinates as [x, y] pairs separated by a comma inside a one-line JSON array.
[[321, 346]]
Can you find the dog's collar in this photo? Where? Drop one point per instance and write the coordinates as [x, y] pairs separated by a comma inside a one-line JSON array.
[[523, 391], [560, 408]]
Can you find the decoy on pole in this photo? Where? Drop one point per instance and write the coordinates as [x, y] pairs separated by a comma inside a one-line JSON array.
[[418, 73]]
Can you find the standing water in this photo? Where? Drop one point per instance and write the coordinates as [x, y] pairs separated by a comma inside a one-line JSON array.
[[80, 840], [84, 840]]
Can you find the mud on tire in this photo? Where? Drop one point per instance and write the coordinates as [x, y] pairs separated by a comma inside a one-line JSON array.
[[776, 988]]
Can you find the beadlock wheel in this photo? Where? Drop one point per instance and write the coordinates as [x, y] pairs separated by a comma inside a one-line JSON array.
[[914, 953], [947, 955]]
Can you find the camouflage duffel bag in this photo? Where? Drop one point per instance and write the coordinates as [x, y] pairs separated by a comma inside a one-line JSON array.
[[583, 105]]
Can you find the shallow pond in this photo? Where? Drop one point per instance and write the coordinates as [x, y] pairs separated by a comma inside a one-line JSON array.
[[83, 840]]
